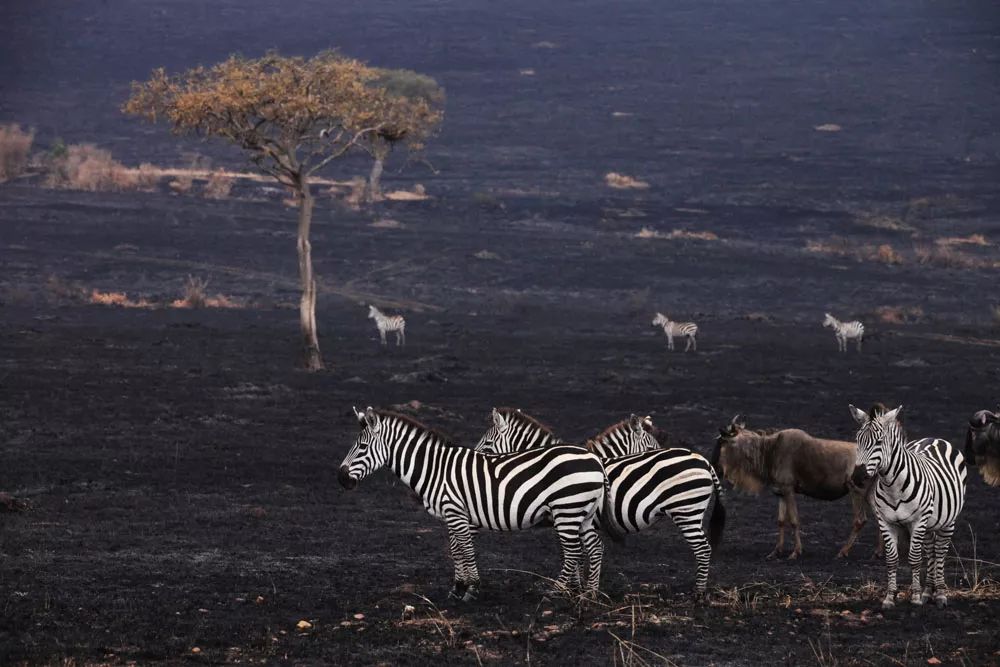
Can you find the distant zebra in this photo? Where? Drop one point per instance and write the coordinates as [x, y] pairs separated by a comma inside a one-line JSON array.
[[646, 482], [688, 330], [468, 490], [919, 489], [386, 323], [844, 331]]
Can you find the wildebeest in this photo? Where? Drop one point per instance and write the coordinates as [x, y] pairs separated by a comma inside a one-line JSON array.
[[789, 462], [982, 445]]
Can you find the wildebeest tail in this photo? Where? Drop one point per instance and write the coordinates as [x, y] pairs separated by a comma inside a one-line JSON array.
[[717, 523]]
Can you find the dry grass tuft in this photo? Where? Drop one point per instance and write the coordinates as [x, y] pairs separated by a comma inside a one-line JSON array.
[[623, 182], [898, 314], [889, 223], [15, 147], [841, 247], [387, 223], [886, 254], [119, 299], [181, 184], [972, 239], [195, 296], [87, 167], [219, 185], [828, 127], [944, 256]]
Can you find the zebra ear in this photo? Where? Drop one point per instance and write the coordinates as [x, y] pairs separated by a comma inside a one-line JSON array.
[[634, 423], [371, 417], [860, 416], [498, 419], [893, 414], [357, 413]]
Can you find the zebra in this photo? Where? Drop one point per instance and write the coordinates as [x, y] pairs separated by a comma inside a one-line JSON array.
[[561, 486], [844, 331], [919, 489], [646, 481], [688, 330], [387, 323]]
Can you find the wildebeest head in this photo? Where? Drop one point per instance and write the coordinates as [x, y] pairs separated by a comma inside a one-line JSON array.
[[727, 434], [982, 444]]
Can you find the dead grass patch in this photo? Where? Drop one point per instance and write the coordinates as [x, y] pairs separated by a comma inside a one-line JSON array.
[[624, 182], [15, 147], [898, 314], [828, 127], [387, 223], [842, 247], [883, 222], [971, 239], [418, 193], [195, 296], [649, 233], [946, 256]]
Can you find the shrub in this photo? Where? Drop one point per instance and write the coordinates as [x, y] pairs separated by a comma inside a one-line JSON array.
[[886, 254], [182, 184], [219, 185], [15, 146], [87, 167], [194, 293]]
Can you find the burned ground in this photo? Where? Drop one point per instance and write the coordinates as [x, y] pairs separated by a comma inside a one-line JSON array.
[[182, 474]]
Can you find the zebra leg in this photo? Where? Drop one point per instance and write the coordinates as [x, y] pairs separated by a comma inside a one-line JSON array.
[[942, 541], [670, 342], [694, 343], [402, 337], [782, 513], [694, 534], [463, 554], [569, 532], [688, 346], [916, 558], [381, 334], [890, 533], [594, 547], [859, 343]]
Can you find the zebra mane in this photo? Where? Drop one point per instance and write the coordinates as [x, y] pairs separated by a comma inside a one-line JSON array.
[[607, 432], [514, 413], [406, 419]]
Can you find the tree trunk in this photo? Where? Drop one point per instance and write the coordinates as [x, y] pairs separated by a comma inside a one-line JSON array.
[[307, 305], [375, 178]]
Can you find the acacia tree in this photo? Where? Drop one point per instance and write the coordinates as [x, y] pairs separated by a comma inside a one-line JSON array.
[[292, 116], [412, 110]]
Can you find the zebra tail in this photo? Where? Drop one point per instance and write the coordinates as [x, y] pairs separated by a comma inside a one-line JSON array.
[[717, 523], [604, 516]]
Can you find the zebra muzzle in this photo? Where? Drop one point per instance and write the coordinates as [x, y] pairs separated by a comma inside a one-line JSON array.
[[345, 479]]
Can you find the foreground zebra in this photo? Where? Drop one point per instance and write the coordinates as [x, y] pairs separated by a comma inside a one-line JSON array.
[[919, 488], [387, 323], [845, 331], [646, 482], [688, 330], [467, 490]]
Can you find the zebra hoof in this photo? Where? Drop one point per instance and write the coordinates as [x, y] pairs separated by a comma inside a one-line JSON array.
[[917, 600], [888, 603], [941, 601], [925, 596]]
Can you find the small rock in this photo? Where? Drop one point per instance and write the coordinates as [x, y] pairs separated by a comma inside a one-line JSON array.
[[259, 600], [196, 650], [303, 625], [359, 616], [933, 661]]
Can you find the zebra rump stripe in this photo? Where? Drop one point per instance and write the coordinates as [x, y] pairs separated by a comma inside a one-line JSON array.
[[467, 490], [645, 482], [919, 489]]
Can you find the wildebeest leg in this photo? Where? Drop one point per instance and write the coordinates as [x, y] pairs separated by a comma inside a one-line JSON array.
[[858, 505], [782, 513], [793, 520]]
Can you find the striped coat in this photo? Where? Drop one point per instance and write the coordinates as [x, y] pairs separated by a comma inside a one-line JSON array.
[[561, 485], [646, 482], [688, 330], [919, 490]]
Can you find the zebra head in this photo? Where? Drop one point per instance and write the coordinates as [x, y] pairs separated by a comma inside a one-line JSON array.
[[630, 436], [660, 320], [498, 438], [372, 312], [829, 320], [370, 451], [879, 434]]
